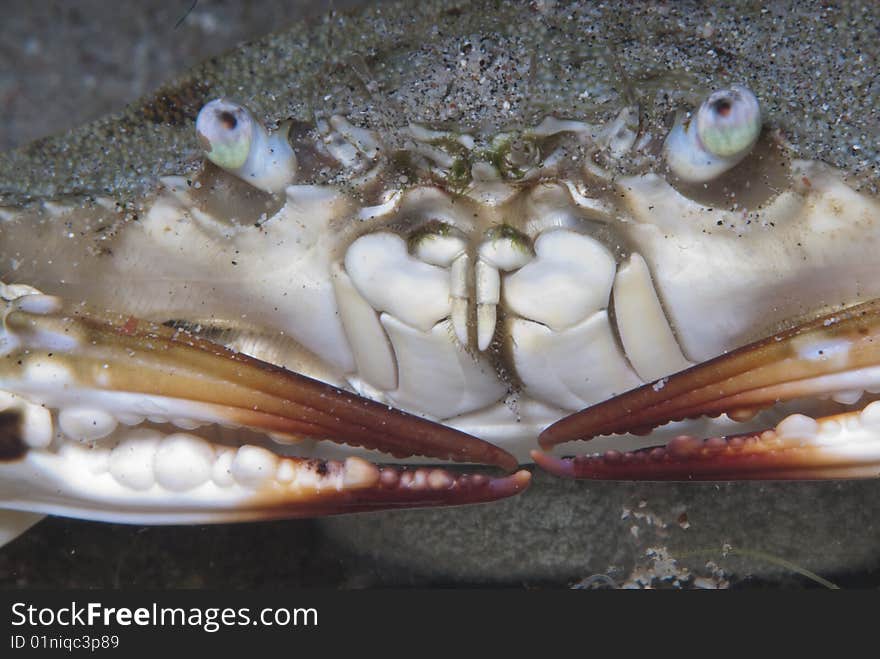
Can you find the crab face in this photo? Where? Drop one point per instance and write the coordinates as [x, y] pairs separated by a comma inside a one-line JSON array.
[[455, 293]]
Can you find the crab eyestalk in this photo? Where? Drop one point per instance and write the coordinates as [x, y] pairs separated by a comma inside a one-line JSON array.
[[722, 133], [836, 354], [235, 141]]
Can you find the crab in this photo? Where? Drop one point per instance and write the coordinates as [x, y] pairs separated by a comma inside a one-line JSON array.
[[238, 332]]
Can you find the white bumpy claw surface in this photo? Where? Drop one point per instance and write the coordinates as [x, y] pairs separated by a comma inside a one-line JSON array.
[[86, 424], [131, 460], [183, 462]]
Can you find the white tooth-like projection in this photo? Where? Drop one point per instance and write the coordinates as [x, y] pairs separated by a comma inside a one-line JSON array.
[[358, 473], [86, 424], [253, 466], [458, 290], [569, 279], [641, 322], [573, 368], [799, 426], [497, 253], [488, 293], [183, 462], [130, 419], [852, 433], [487, 318], [36, 426], [132, 459], [34, 422], [436, 376], [368, 341], [133, 407], [286, 472], [870, 416], [848, 397], [392, 280], [186, 424]]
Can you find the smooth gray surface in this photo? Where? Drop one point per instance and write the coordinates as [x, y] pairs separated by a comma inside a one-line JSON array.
[[66, 62]]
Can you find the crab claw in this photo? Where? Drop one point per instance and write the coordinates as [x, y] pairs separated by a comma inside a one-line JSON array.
[[834, 355], [104, 372]]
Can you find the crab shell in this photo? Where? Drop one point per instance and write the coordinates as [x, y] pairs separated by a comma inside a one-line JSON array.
[[485, 291]]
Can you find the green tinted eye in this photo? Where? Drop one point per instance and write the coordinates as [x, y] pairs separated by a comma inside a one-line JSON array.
[[226, 131], [729, 121]]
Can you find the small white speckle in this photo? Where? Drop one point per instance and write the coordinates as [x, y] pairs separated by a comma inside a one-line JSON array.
[[659, 384]]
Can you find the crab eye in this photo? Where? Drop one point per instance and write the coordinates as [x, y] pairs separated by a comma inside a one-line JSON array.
[[235, 141], [723, 132], [226, 131], [729, 121]]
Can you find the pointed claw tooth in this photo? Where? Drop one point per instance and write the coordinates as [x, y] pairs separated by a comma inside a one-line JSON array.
[[147, 478], [799, 448]]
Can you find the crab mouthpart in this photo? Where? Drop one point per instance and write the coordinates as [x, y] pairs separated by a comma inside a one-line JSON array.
[[103, 372], [837, 355]]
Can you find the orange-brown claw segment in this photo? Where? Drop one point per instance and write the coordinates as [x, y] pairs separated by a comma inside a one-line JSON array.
[[355, 485], [839, 352], [798, 449], [109, 354]]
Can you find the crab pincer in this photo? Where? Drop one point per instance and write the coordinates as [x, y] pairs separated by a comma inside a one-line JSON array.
[[835, 355], [106, 371]]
